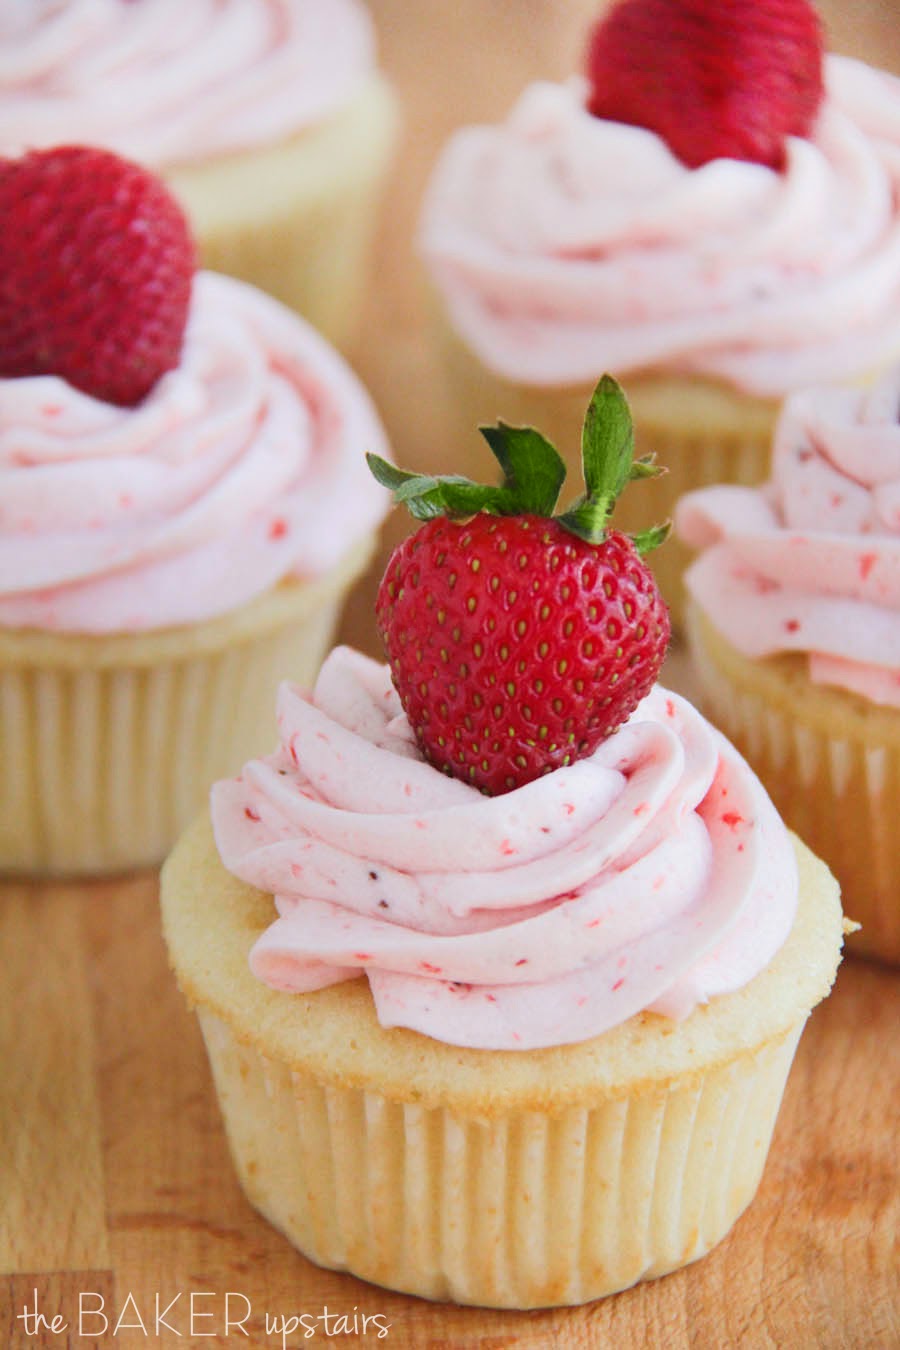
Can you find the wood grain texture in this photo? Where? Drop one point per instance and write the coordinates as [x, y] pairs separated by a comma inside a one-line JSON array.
[[51, 1169], [114, 1174]]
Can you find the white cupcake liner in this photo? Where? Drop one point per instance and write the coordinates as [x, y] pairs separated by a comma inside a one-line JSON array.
[[106, 758], [524, 1210], [298, 219], [836, 785]]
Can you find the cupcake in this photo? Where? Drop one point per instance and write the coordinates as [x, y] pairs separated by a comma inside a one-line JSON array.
[[514, 1035], [182, 509], [267, 118], [716, 254], [795, 629]]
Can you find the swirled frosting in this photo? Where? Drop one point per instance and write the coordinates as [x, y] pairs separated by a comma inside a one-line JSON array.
[[564, 245], [810, 562], [652, 875], [166, 82], [243, 466]]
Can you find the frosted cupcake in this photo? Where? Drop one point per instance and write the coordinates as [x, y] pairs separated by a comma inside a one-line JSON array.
[[162, 554], [508, 1045], [599, 227], [795, 628], [268, 118]]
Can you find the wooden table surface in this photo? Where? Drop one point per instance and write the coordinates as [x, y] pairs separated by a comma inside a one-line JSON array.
[[115, 1182]]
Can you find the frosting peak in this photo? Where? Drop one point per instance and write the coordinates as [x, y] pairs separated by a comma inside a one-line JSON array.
[[810, 562], [227, 478], [651, 875], [565, 244]]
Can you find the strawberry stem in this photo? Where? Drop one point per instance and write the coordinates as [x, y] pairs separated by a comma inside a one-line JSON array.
[[607, 459], [534, 472]]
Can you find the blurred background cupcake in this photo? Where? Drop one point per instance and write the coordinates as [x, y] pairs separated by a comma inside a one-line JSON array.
[[795, 630], [268, 119], [184, 503], [713, 253]]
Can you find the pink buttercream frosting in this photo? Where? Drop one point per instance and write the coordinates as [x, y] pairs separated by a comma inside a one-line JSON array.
[[565, 245], [242, 467], [650, 876], [810, 562], [168, 82]]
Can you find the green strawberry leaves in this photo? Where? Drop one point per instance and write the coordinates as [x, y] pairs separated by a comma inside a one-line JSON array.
[[534, 472], [426, 496], [607, 458], [533, 469]]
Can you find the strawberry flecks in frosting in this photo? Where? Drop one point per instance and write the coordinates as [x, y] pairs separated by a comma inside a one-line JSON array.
[[810, 562], [540, 938], [564, 245], [167, 83], [243, 466]]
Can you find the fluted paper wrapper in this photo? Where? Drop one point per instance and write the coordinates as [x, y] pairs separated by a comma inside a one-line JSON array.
[[298, 219], [835, 779], [525, 1210], [108, 746]]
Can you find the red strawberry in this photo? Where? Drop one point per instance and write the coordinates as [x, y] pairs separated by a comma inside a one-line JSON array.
[[96, 264], [714, 78], [518, 642]]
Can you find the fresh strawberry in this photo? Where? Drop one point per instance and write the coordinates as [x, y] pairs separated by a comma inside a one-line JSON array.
[[714, 78], [519, 640], [96, 265]]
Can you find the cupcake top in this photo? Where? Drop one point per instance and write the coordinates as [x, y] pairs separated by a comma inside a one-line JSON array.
[[563, 244], [242, 466], [514, 832], [651, 875], [810, 562], [168, 83]]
